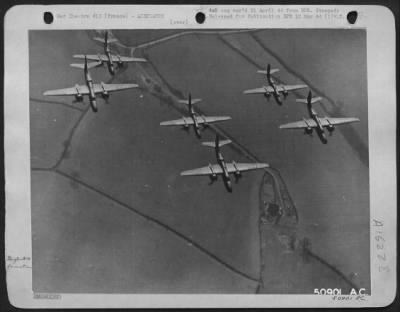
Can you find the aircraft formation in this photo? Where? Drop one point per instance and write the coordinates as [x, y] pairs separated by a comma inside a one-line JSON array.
[[111, 60], [92, 89], [193, 119], [314, 122]]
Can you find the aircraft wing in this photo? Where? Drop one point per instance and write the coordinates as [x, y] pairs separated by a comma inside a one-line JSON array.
[[68, 91], [290, 87], [261, 90], [326, 121], [305, 123], [177, 122], [233, 167], [125, 59], [92, 57], [211, 119], [189, 121], [203, 171], [99, 88]]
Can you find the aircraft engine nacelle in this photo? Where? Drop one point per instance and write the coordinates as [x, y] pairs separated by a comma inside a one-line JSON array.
[[79, 97], [185, 126], [238, 174], [205, 124], [308, 130], [78, 94], [105, 94], [119, 62], [285, 93], [267, 95], [213, 177], [331, 128]]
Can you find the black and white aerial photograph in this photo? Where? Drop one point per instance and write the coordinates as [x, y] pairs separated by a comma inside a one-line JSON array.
[[212, 161]]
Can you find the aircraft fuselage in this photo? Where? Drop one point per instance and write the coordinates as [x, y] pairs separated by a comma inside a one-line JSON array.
[[319, 129], [225, 173], [196, 126], [275, 92], [92, 95], [110, 63]]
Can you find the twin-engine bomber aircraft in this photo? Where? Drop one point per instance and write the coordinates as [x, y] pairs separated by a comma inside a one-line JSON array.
[[315, 122], [273, 88], [90, 89], [194, 119], [107, 57], [222, 168]]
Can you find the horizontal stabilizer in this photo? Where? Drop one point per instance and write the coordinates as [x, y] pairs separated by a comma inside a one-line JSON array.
[[212, 144], [316, 99], [194, 101], [313, 100], [109, 40], [89, 65], [265, 72]]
